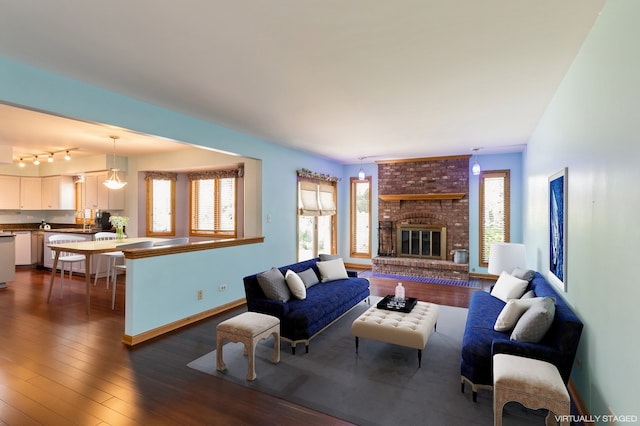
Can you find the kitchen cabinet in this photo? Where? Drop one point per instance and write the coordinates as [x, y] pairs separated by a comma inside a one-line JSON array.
[[58, 193], [99, 197], [7, 263], [10, 195], [30, 193], [22, 247]]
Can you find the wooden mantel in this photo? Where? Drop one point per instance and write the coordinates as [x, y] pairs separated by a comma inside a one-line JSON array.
[[427, 196]]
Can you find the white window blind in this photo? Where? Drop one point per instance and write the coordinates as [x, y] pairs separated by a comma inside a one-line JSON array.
[[161, 206], [308, 199], [494, 213], [327, 200], [316, 199], [213, 207]]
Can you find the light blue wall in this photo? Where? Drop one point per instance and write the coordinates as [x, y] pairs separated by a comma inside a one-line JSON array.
[[37, 89], [592, 128], [513, 163]]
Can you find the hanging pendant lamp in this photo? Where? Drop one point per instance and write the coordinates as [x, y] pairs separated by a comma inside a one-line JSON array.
[[113, 181], [475, 168], [361, 172]]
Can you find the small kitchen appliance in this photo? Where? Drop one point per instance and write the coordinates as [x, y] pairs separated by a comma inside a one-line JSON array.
[[102, 220]]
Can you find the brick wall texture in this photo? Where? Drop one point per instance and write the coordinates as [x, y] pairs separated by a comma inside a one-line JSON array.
[[439, 175]]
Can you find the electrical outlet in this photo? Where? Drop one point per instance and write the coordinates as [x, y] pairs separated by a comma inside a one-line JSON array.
[[223, 287], [200, 295]]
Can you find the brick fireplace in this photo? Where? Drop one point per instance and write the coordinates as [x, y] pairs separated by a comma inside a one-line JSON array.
[[425, 193]]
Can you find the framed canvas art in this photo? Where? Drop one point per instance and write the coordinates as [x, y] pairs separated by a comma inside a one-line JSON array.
[[558, 229]]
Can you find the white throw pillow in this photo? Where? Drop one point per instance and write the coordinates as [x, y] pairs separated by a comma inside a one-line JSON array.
[[512, 312], [332, 270], [509, 287], [296, 285]]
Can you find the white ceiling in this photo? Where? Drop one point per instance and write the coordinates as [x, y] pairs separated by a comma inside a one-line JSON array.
[[340, 78]]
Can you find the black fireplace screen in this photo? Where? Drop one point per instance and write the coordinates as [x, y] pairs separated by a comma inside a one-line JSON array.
[[423, 241]]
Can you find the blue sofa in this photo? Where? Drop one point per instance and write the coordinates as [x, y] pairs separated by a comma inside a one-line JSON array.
[[480, 341], [301, 320]]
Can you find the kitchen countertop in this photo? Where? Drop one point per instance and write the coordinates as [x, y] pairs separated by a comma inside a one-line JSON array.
[[73, 230], [8, 228]]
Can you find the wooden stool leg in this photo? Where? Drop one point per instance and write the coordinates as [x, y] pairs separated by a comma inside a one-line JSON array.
[[220, 366], [498, 405], [276, 347], [250, 347], [550, 420]]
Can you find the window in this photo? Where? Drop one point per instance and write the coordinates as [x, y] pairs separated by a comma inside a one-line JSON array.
[[213, 207], [361, 217], [316, 218], [161, 204], [494, 211]]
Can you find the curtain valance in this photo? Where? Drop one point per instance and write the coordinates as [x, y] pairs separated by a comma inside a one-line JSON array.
[[306, 173], [216, 174], [160, 176]]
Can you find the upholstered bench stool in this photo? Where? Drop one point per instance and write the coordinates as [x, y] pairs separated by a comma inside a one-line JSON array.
[[248, 328], [410, 329], [533, 383]]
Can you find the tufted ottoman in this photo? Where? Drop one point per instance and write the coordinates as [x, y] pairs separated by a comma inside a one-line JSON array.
[[248, 328], [405, 329], [531, 382]]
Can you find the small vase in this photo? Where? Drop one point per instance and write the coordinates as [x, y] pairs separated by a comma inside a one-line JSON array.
[[119, 233]]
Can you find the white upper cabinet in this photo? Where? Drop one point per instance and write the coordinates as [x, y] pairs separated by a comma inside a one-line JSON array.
[[58, 193], [30, 193], [10, 194], [91, 192], [116, 196], [99, 197]]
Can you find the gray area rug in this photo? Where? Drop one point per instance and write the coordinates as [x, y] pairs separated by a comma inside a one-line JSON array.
[[381, 385]]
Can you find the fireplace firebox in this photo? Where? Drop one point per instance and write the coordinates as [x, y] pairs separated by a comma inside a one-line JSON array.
[[422, 241]]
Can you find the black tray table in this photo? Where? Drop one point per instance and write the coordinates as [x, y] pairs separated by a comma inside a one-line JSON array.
[[389, 304]]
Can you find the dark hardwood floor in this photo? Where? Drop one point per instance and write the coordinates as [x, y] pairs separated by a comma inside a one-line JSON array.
[[59, 366]]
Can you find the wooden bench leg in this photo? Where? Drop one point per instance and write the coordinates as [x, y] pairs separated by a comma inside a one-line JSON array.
[[220, 366]]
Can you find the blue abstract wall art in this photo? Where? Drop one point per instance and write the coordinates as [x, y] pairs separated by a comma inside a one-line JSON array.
[[557, 228]]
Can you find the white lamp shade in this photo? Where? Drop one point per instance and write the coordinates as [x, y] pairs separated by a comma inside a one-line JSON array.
[[506, 257]]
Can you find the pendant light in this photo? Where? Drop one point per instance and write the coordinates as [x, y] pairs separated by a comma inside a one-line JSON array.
[[113, 181], [361, 172], [475, 168]]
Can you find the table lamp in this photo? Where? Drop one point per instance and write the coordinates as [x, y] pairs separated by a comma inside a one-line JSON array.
[[506, 257]]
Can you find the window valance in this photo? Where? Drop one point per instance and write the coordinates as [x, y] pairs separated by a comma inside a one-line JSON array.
[[160, 176], [216, 174], [305, 173]]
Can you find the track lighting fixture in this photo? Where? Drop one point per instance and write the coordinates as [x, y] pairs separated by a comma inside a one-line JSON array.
[[50, 156]]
